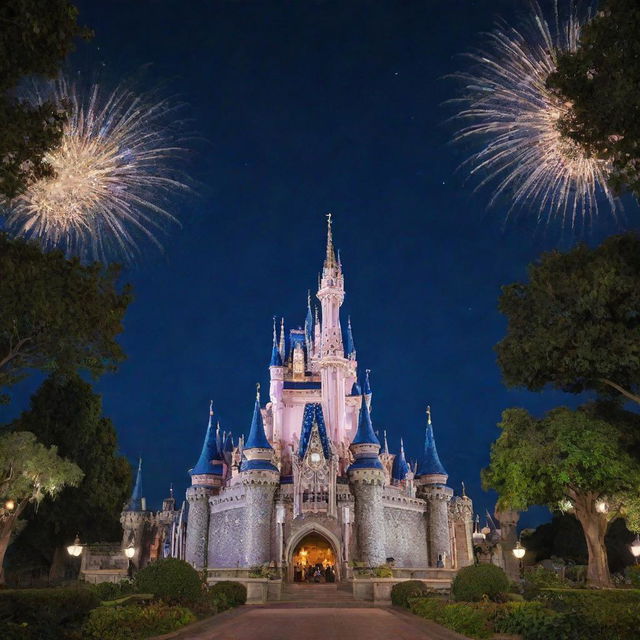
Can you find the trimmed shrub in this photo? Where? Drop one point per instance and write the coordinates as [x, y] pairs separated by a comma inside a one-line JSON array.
[[135, 622], [479, 581], [112, 590], [401, 592], [229, 592], [172, 580], [383, 571], [429, 608], [532, 621], [576, 573], [633, 573], [469, 621], [47, 613]]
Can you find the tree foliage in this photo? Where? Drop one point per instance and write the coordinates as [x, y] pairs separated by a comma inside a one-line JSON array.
[[67, 412], [29, 472], [573, 458], [35, 38], [602, 82], [57, 314], [576, 323]]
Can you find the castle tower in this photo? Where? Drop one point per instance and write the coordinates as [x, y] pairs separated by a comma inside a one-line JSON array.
[[276, 385], [431, 481], [260, 478], [367, 479], [400, 467], [333, 365], [136, 520], [207, 477]]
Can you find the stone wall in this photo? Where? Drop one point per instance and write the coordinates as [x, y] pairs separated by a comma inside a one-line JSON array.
[[197, 526], [369, 522], [227, 535], [406, 536], [258, 523]]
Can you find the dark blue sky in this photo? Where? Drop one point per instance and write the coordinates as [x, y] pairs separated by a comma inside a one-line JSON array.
[[308, 107]]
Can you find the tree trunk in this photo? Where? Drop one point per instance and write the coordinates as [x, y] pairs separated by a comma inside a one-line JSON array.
[[6, 527], [594, 526]]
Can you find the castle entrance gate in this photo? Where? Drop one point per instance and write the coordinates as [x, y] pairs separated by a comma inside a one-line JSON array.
[[313, 559]]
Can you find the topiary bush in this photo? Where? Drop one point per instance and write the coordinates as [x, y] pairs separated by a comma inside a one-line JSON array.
[[229, 593], [479, 581], [532, 621], [469, 621], [633, 573], [170, 579], [401, 592], [135, 622], [112, 590]]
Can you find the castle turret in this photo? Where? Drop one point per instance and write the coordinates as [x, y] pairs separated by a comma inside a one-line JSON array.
[[207, 476], [276, 385], [431, 480], [333, 364], [367, 479], [351, 347], [400, 467], [260, 478], [367, 388], [136, 521]]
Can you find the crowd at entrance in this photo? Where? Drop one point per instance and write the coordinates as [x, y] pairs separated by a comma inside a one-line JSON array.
[[314, 560]]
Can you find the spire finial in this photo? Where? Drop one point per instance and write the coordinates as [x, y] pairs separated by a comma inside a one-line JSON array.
[[428, 414], [274, 331], [171, 490], [257, 392], [464, 491], [401, 445], [330, 260], [309, 299]]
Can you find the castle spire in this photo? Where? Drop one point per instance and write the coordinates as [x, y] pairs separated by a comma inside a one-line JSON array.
[[351, 347], [367, 388], [281, 348], [257, 450], [276, 360], [210, 460], [365, 433], [308, 325], [365, 445], [430, 464], [400, 466], [385, 446], [330, 259], [136, 502]]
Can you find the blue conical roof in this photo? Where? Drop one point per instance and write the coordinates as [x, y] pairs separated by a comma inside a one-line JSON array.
[[257, 437], [210, 451], [276, 359], [365, 433], [228, 443], [385, 446], [351, 347], [430, 463], [400, 467], [355, 389], [135, 502], [367, 386]]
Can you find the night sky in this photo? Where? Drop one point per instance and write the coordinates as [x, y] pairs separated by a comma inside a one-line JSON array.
[[301, 108]]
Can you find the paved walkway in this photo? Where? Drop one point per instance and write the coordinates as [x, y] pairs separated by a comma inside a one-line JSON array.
[[296, 621]]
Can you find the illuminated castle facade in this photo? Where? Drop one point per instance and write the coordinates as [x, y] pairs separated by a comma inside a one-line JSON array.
[[312, 475]]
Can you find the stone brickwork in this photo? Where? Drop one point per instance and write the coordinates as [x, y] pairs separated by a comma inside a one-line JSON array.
[[369, 521], [438, 531], [227, 536], [258, 523], [406, 536], [197, 526]]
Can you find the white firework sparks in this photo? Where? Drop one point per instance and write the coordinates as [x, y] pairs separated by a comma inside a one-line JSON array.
[[507, 106], [112, 176]]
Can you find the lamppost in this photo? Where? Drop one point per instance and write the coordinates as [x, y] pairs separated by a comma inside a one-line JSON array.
[[518, 552], [75, 549], [130, 551], [635, 548]]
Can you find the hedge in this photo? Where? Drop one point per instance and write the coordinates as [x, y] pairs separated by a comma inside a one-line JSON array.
[[45, 613], [402, 591], [228, 592], [135, 622], [172, 580], [473, 621], [476, 582]]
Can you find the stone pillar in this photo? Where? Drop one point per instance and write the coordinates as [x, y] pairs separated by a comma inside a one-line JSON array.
[[136, 527], [439, 539], [198, 526], [259, 494], [367, 486], [508, 538]]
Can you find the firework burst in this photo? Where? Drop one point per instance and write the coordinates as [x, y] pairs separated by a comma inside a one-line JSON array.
[[507, 106], [111, 176]]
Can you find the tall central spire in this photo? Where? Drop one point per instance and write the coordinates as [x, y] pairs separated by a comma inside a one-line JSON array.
[[330, 259]]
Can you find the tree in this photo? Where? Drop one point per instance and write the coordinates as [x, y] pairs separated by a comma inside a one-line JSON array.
[[572, 460], [68, 413], [575, 324], [35, 37], [29, 471], [57, 314], [602, 81]]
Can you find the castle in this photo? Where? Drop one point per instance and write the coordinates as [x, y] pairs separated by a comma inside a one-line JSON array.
[[312, 483]]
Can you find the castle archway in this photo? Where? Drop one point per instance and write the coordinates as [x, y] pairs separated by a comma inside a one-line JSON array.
[[313, 555]]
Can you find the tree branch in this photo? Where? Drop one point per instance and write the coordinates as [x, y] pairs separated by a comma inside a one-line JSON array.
[[622, 390], [13, 352]]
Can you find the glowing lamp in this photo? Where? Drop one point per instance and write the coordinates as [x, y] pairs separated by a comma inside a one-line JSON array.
[[602, 506], [519, 551], [75, 549], [130, 551], [635, 547], [315, 457], [9, 505]]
